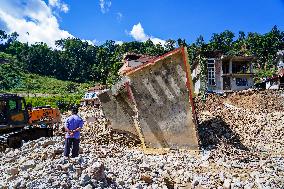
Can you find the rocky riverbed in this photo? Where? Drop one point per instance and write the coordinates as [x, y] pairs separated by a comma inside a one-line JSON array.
[[241, 147]]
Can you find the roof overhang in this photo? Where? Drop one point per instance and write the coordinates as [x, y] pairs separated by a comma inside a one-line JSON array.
[[238, 58], [130, 71]]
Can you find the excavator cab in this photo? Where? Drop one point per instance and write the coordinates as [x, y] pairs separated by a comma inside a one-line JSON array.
[[13, 110]]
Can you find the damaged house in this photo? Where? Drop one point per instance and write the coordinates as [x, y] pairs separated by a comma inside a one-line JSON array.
[[225, 73], [133, 60], [277, 81], [280, 58], [90, 98]]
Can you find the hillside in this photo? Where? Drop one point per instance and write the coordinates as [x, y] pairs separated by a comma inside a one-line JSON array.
[[43, 90], [47, 86]]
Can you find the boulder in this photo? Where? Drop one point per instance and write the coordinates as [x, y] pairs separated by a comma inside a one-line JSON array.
[[146, 178], [13, 171], [30, 164], [97, 171]]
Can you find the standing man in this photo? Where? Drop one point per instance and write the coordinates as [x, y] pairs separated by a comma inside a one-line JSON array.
[[73, 126]]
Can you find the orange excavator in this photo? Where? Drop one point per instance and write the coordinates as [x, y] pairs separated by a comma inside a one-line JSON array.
[[44, 115], [19, 122]]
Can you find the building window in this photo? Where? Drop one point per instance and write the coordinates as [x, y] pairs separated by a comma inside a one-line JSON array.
[[225, 67], [211, 72], [240, 67], [12, 105], [241, 82]]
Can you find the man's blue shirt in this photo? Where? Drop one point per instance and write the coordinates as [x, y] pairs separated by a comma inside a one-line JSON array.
[[73, 122]]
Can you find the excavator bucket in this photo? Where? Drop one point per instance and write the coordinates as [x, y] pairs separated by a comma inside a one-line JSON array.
[[154, 101]]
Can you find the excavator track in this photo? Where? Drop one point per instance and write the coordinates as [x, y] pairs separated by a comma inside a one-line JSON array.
[[15, 139]]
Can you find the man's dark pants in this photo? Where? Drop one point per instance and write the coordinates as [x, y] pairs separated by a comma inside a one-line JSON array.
[[74, 143]]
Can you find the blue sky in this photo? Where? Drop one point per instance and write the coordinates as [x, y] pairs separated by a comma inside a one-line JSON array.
[[128, 20]]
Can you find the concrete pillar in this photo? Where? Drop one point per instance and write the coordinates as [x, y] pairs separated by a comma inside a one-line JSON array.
[[221, 78], [231, 66], [230, 72]]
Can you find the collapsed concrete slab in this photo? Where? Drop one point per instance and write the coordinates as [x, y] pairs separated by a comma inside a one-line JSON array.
[[154, 102]]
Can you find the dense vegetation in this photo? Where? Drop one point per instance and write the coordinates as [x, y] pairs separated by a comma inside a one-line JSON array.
[[43, 90], [63, 102], [78, 61], [44, 86]]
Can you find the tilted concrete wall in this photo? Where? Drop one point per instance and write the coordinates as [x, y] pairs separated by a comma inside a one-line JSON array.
[[165, 114], [163, 103], [119, 110]]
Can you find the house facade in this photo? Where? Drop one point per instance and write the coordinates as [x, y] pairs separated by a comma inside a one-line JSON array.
[[280, 66], [226, 73], [230, 73]]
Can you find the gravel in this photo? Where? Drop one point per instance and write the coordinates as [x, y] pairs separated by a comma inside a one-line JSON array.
[[240, 148]]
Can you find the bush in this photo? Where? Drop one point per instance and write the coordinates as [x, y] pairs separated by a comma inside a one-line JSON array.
[[63, 102]]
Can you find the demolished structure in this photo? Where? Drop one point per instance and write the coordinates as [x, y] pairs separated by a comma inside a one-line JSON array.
[[90, 98], [277, 81], [154, 101]]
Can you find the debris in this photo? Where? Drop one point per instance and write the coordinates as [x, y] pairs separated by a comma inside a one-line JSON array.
[[13, 171], [241, 148], [96, 171], [146, 178], [227, 184]]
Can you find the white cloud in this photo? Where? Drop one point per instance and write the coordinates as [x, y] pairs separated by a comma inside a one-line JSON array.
[[95, 42], [53, 2], [157, 40], [64, 8], [118, 42], [33, 20], [105, 5], [138, 34], [91, 42], [58, 4], [119, 16]]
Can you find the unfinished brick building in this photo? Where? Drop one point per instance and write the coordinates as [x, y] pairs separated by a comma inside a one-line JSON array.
[[226, 73]]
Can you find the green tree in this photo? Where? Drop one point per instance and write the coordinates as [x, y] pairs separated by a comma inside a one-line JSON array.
[[222, 42], [10, 75], [170, 45]]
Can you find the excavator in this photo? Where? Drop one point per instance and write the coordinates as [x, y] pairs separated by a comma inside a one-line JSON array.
[[20, 122], [153, 101]]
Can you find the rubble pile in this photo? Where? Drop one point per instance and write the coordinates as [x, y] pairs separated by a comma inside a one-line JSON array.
[[97, 129], [240, 148], [258, 101], [247, 120], [39, 164]]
